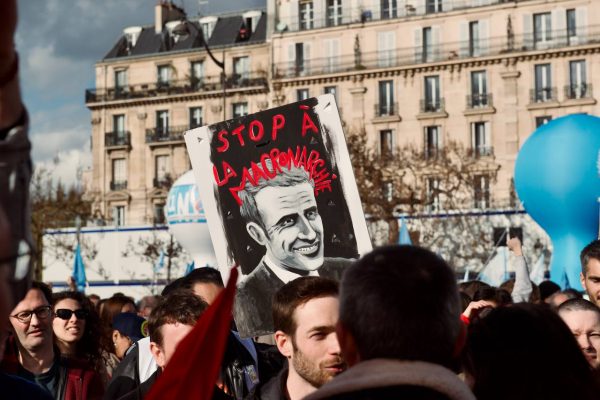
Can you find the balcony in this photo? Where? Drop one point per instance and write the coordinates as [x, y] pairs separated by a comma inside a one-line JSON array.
[[479, 100], [431, 153], [432, 106], [386, 110], [117, 139], [118, 185], [446, 51], [170, 134], [581, 91], [481, 151], [372, 10], [179, 87], [543, 95], [163, 182]]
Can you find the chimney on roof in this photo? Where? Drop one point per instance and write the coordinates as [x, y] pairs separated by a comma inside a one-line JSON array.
[[165, 11]]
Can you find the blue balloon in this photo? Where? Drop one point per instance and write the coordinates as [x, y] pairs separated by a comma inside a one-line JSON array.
[[557, 177]]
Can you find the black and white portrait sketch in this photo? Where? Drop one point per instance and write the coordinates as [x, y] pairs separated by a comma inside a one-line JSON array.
[[280, 200]]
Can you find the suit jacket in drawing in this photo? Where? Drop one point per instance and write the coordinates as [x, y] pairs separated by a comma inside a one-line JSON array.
[[252, 309]]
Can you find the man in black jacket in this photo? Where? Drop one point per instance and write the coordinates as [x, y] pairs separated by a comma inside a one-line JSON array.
[[305, 313]]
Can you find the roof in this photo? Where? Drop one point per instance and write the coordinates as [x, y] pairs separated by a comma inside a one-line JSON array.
[[225, 34]]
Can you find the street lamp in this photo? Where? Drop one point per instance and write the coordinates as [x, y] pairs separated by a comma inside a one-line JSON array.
[[183, 31]]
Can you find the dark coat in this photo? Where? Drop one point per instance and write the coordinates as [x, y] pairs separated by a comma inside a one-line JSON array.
[[252, 310], [394, 379], [274, 389]]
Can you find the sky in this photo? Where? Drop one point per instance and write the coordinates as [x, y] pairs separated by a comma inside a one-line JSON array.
[[59, 41]]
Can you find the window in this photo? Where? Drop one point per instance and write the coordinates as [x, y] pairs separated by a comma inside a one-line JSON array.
[[577, 80], [389, 9], [481, 139], [571, 26], [195, 117], [474, 48], [543, 83], [432, 141], [119, 174], [208, 27], [306, 15], [433, 6], [241, 68], [542, 28], [301, 94], [119, 215], [432, 94], [120, 82], [162, 122], [197, 74], [386, 46], [386, 98], [427, 45], [481, 188], [479, 97], [432, 196], [331, 90], [334, 12], [299, 56], [386, 143], [161, 171], [332, 49], [543, 120], [119, 125], [159, 213], [164, 75], [240, 109]]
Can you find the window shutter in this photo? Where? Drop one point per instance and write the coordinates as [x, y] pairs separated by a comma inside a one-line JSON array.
[[418, 45], [291, 59], [435, 39], [527, 30], [307, 59], [581, 23], [464, 38], [559, 23], [473, 134], [488, 134], [484, 36], [440, 137]]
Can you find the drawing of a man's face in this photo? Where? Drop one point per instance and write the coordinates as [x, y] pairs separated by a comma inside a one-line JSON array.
[[292, 230]]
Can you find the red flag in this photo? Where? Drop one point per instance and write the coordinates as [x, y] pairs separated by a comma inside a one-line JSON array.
[[193, 370]]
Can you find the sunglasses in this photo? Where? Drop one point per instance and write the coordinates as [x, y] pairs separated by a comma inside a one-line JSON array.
[[66, 314]]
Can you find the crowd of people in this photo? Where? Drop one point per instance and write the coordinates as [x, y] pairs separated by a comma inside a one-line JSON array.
[[397, 325]]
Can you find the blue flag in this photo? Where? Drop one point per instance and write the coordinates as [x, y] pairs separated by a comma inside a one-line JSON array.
[[161, 261], [79, 270], [189, 268], [404, 237]]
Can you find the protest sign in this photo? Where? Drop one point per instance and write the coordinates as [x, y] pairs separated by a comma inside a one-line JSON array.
[[280, 200]]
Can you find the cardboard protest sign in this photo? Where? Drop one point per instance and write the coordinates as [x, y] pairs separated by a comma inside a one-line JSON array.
[[280, 200]]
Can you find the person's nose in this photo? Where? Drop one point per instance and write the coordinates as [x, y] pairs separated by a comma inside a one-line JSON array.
[[584, 342], [333, 344], [307, 231]]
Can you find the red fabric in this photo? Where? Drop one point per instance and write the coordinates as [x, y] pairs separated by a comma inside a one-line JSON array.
[[465, 319], [83, 384], [202, 348]]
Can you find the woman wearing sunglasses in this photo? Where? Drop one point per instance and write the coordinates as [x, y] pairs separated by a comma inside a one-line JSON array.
[[76, 325]]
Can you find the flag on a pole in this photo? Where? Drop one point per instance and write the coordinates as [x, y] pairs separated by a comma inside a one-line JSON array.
[[404, 237], [203, 347], [161, 261], [537, 272], [79, 270]]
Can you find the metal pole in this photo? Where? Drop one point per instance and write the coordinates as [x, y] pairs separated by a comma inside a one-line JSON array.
[[224, 88]]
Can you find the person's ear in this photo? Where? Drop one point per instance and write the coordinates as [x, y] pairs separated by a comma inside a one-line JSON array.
[[158, 354], [582, 279], [257, 233], [115, 336], [284, 344], [347, 344]]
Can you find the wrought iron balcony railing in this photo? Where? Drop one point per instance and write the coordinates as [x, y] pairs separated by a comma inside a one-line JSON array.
[[543, 95], [581, 91], [168, 134], [386, 109], [117, 138], [432, 105], [479, 100], [118, 185], [481, 151], [174, 87], [164, 182]]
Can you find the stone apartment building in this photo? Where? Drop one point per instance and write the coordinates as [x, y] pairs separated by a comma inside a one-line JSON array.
[[484, 73]]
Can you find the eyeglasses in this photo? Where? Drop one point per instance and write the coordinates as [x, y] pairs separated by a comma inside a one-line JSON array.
[[42, 312], [66, 314]]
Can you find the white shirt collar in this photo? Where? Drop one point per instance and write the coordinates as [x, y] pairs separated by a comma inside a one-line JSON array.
[[283, 274]]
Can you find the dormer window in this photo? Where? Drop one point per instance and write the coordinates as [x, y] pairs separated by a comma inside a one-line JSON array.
[[132, 35], [207, 24]]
